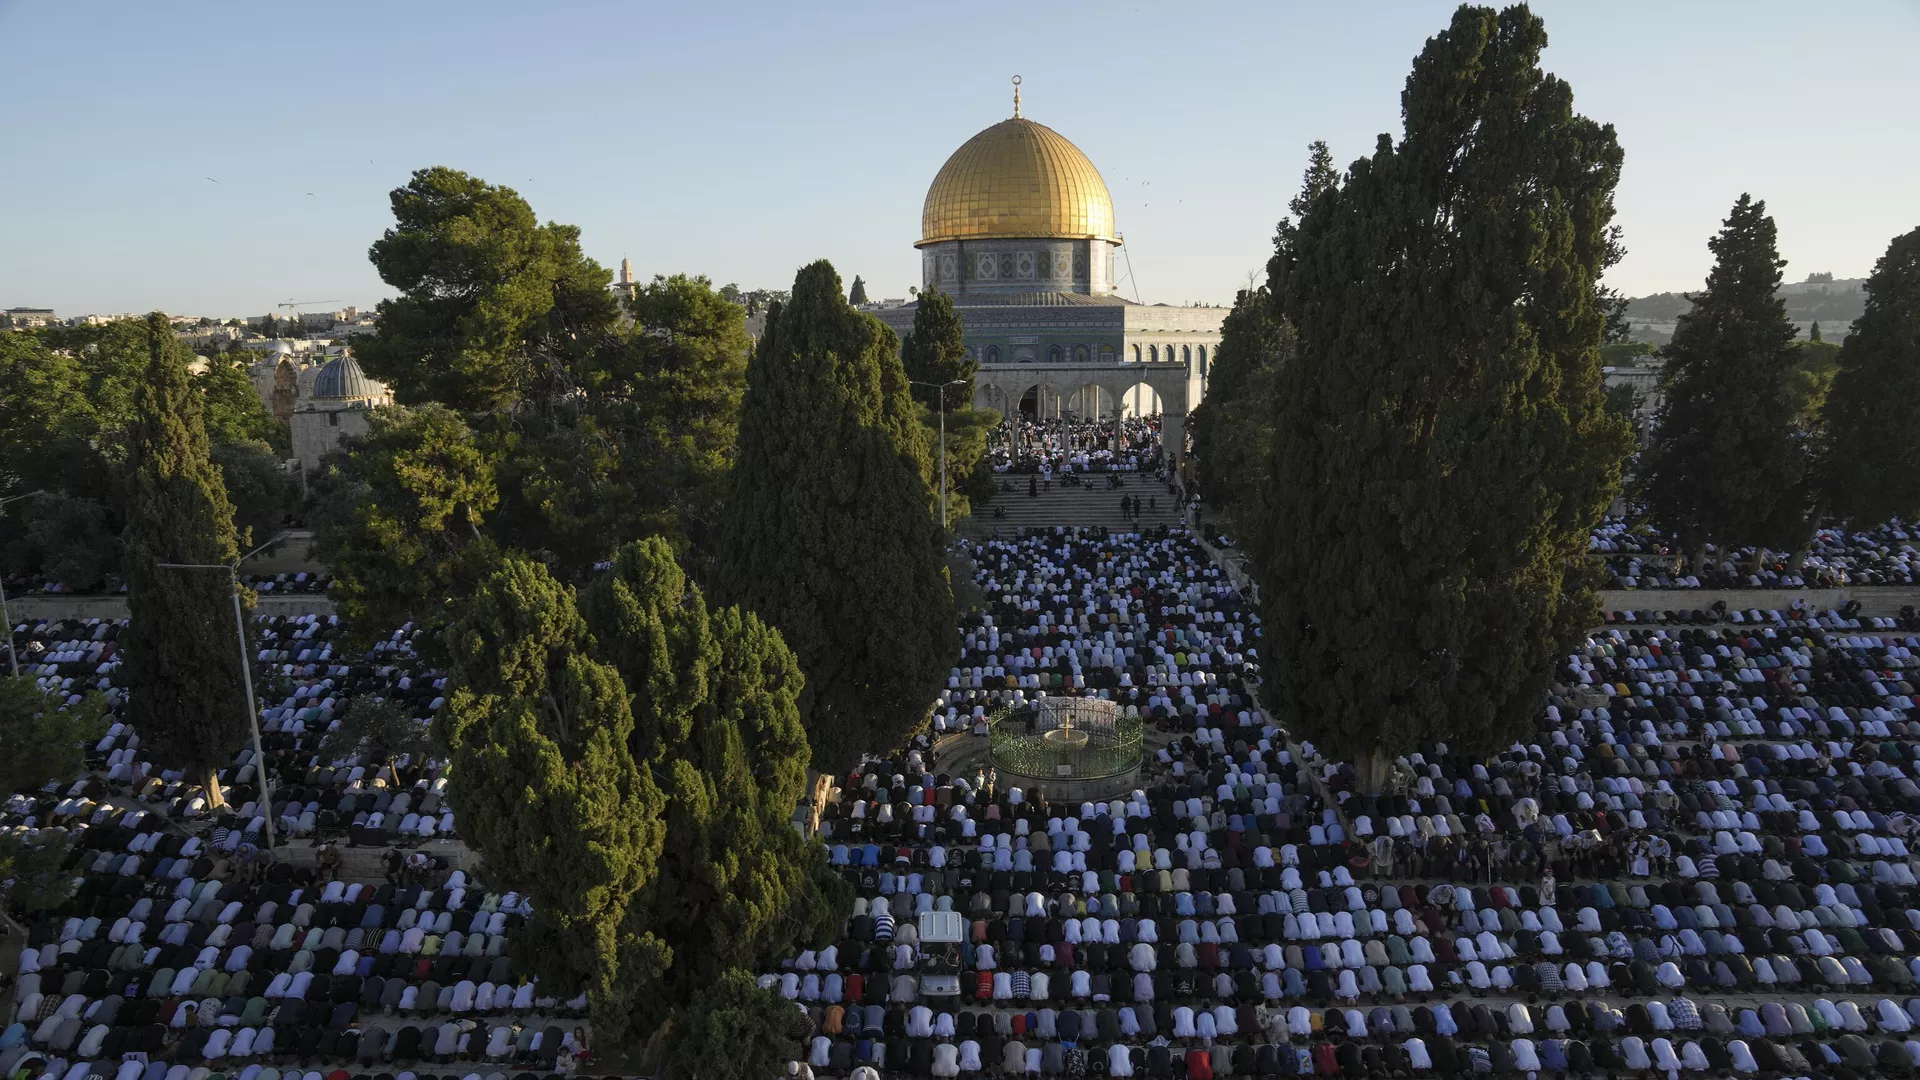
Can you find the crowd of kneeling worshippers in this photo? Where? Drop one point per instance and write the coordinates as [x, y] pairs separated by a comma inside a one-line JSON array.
[[1640, 557], [1699, 863], [1021, 444], [185, 951]]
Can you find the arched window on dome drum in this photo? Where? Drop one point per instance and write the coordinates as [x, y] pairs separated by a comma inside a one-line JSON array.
[[1136, 354], [1053, 354], [1186, 354], [1079, 354], [993, 354], [1106, 354], [1203, 364], [1153, 353]]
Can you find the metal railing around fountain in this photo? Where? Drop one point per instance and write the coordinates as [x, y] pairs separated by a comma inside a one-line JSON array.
[[1066, 738]]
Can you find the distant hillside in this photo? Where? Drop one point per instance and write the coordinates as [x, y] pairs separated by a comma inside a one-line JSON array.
[[1832, 304]]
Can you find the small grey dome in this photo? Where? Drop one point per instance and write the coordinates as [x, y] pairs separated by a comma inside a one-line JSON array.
[[342, 380], [278, 347]]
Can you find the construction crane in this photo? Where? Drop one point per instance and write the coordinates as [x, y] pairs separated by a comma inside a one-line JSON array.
[[293, 307]]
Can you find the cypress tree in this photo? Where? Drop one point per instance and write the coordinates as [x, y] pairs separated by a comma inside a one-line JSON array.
[[858, 294], [935, 353], [1814, 334], [184, 685], [1729, 459], [547, 784], [828, 534], [1441, 445], [1873, 469], [630, 758]]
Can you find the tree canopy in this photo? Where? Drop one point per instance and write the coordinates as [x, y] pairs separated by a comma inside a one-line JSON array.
[[66, 412], [1730, 455], [1436, 466], [182, 673], [1873, 465], [573, 417], [630, 758], [934, 355], [831, 533]]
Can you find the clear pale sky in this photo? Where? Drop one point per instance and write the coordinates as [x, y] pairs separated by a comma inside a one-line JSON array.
[[742, 140]]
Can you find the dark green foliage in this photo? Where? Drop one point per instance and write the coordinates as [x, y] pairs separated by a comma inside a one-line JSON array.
[[66, 409], [858, 294], [495, 308], [69, 539], [235, 413], [42, 739], [631, 758], [1233, 427], [1441, 446], [182, 672], [1730, 454], [262, 491], [547, 784], [1873, 468], [377, 732], [734, 1029], [829, 535], [673, 404], [593, 427], [935, 354], [403, 526], [1814, 334], [1614, 303]]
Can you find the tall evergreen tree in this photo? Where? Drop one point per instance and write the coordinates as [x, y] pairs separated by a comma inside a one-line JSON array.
[[1729, 459], [1814, 334], [630, 758], [1437, 465], [549, 786], [1873, 466], [183, 678], [858, 294], [829, 535], [1232, 429], [935, 354]]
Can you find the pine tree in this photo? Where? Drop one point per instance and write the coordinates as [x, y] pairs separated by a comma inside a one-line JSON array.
[[734, 1029], [858, 294], [1729, 460], [1814, 334], [1437, 465], [1873, 467], [829, 535], [184, 685]]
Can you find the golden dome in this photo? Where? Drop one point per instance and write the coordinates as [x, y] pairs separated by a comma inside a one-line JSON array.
[[1017, 179]]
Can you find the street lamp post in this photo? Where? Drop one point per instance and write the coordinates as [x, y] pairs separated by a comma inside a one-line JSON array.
[[941, 389], [246, 673], [13, 657]]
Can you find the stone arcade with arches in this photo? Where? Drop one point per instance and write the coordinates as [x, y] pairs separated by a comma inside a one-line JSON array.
[[1018, 228]]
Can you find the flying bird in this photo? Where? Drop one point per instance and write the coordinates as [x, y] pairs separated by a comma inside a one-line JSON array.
[[309, 194], [211, 178]]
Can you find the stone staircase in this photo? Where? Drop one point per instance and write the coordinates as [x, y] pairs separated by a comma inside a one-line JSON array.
[[1088, 504]]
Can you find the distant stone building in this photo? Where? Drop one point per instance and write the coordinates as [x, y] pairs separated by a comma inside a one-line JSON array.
[[319, 392], [337, 408]]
